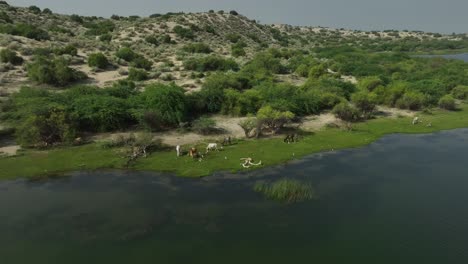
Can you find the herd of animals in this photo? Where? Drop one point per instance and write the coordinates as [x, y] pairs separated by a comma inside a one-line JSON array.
[[247, 162]]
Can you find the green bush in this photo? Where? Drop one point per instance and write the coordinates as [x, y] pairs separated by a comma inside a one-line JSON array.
[[100, 113], [197, 48], [233, 38], [210, 63], [47, 11], [99, 28], [126, 54], [105, 37], [98, 60], [137, 75], [142, 63], [365, 102], [10, 56], [55, 72], [447, 102], [5, 17], [76, 18], [25, 30], [45, 129], [34, 9], [68, 49], [168, 102], [346, 112], [411, 100], [153, 40], [460, 92], [237, 50], [184, 32]]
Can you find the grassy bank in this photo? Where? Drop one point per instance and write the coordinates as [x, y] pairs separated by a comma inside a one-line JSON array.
[[32, 163]]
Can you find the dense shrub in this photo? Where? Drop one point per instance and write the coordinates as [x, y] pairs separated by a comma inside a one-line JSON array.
[[273, 119], [98, 60], [153, 40], [411, 100], [34, 9], [365, 102], [233, 12], [55, 72], [237, 50], [166, 101], [76, 18], [142, 63], [184, 32], [100, 113], [25, 30], [68, 49], [460, 92], [10, 56], [197, 48], [47, 11], [126, 54], [233, 38], [44, 129], [105, 37], [447, 102], [137, 75], [5, 17], [346, 112], [99, 28], [210, 63]]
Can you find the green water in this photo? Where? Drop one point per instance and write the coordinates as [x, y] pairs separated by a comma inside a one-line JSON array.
[[402, 199]]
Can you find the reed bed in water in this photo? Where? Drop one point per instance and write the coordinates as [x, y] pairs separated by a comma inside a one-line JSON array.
[[285, 190]]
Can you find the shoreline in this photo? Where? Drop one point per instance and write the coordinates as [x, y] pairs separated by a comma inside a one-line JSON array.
[[35, 164]]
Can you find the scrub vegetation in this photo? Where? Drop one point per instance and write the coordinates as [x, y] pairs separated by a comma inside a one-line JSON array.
[[169, 73]]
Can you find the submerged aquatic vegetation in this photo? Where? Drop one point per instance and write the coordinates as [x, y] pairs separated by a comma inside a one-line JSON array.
[[286, 190]]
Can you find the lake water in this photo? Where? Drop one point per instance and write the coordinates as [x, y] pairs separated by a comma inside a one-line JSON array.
[[460, 56], [402, 199]]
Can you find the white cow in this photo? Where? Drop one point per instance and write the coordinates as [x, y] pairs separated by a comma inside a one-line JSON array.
[[212, 146], [178, 149], [415, 120]]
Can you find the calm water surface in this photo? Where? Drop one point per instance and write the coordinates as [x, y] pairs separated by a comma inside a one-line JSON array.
[[402, 199], [460, 56]]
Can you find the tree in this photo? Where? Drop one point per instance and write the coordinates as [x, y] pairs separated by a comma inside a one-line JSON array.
[[411, 100], [54, 72], [98, 60], [137, 75], [447, 102], [365, 102], [248, 125], [99, 113], [167, 101], [45, 129], [34, 9], [346, 112], [273, 119]]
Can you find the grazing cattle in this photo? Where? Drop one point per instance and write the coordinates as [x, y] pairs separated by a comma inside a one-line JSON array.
[[212, 146], [429, 125], [415, 120], [178, 149], [290, 138], [193, 152], [227, 141]]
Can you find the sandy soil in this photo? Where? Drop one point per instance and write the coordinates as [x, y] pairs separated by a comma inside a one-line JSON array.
[[9, 150], [317, 122]]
